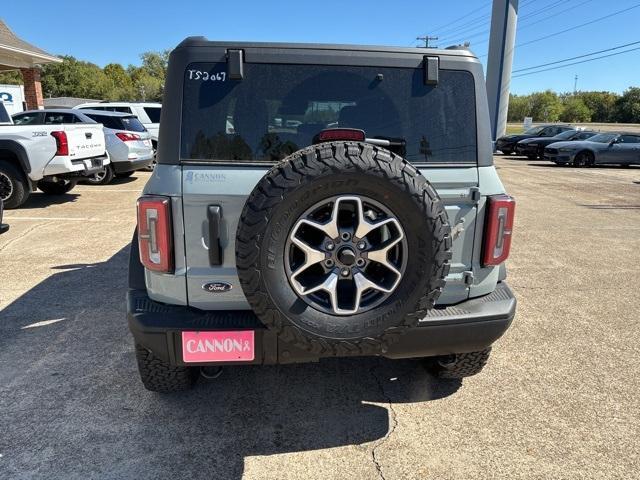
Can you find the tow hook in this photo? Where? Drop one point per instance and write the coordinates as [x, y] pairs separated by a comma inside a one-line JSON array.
[[210, 373]]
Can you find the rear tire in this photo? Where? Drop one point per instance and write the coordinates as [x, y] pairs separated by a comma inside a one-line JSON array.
[[14, 189], [532, 157], [459, 365], [104, 177], [56, 188], [506, 151], [159, 376]]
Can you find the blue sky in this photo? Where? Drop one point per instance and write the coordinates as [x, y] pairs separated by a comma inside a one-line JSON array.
[[117, 31]]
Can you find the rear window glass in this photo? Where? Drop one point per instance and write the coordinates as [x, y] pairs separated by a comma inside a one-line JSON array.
[[153, 113], [58, 118], [32, 118], [119, 123], [278, 109]]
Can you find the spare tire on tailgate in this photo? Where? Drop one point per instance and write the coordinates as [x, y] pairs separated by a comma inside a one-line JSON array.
[[342, 247]]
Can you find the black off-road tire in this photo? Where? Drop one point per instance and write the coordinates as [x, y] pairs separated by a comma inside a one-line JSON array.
[[56, 188], [312, 175], [159, 376], [460, 365], [19, 186], [507, 151], [532, 156]]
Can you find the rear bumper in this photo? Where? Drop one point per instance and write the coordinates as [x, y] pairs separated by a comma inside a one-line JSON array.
[[131, 165], [64, 167], [467, 327]]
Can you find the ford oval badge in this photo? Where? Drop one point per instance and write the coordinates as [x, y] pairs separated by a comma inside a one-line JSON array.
[[217, 287]]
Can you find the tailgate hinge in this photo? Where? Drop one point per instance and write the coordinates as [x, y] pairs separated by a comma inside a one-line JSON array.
[[468, 278], [474, 193], [235, 64], [431, 70]]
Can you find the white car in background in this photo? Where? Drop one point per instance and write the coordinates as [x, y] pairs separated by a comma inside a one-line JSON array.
[[51, 157], [127, 140], [147, 112]]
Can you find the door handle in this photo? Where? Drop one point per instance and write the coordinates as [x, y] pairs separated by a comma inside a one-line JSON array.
[[214, 215]]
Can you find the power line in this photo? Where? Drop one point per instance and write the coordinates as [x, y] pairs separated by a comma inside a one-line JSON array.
[[448, 24], [578, 26], [575, 58], [576, 63], [573, 28], [471, 33], [524, 18]]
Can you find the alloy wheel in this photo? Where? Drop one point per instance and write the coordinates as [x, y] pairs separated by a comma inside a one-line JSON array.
[[346, 255]]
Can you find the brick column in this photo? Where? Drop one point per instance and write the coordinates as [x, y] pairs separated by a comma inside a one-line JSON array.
[[32, 88]]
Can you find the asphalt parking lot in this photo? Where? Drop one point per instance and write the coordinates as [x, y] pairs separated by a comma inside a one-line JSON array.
[[559, 398]]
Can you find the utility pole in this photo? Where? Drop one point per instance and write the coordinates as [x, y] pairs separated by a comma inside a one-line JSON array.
[[426, 40], [575, 84], [504, 18]]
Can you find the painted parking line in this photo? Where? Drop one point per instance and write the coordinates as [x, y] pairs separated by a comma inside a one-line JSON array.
[[68, 219]]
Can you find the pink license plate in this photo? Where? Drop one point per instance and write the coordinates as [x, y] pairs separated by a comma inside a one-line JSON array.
[[218, 346]]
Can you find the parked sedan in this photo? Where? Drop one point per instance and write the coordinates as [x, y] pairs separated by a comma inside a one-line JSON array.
[[533, 148], [3, 226], [604, 148], [507, 143], [128, 141]]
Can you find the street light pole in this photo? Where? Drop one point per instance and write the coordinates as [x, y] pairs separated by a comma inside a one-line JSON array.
[[501, 44]]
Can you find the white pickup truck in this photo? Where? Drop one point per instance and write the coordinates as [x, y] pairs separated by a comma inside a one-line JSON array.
[[49, 157]]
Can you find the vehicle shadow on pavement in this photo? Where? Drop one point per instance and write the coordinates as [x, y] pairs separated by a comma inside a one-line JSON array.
[[72, 405], [42, 200]]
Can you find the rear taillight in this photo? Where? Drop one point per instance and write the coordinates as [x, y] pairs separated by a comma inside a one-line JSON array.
[[333, 134], [498, 229], [127, 137], [154, 233], [62, 145]]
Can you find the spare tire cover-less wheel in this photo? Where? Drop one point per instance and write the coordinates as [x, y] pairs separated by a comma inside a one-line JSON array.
[[342, 247]]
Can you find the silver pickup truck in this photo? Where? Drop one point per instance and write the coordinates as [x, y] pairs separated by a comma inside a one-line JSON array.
[[51, 158]]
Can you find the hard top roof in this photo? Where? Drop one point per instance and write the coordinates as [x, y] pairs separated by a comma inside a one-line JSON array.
[[454, 50]]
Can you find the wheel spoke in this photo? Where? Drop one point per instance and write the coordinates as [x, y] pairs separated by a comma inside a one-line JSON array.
[[312, 255], [381, 255], [329, 285]]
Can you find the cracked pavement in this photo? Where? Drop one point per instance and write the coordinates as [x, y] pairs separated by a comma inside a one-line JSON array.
[[558, 399]]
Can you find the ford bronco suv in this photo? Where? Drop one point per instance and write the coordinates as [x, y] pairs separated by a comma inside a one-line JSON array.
[[316, 201]]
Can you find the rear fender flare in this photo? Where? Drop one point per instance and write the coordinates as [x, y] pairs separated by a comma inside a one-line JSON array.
[[19, 151]]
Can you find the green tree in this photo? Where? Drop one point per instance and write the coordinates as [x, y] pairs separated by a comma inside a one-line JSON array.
[[575, 110], [75, 78], [545, 106], [10, 78], [155, 63], [519, 107], [121, 85], [601, 104], [627, 108]]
